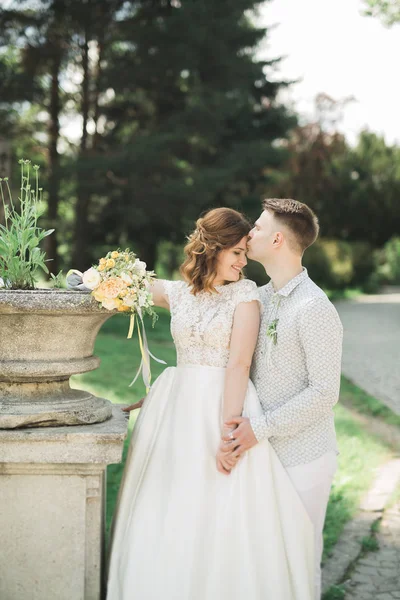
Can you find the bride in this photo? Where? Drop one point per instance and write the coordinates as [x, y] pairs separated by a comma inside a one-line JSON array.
[[190, 525]]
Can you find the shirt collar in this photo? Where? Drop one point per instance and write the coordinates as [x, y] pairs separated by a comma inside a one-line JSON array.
[[291, 285]]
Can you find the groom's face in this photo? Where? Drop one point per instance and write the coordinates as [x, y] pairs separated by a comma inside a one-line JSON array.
[[261, 237]]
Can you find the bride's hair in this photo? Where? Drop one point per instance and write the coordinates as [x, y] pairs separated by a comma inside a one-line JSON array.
[[219, 229]]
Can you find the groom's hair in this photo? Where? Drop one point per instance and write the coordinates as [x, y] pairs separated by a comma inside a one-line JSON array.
[[298, 218]]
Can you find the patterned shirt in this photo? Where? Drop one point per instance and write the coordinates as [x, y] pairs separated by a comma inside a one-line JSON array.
[[297, 374]]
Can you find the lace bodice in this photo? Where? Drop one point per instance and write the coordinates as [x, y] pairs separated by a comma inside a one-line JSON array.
[[201, 325]]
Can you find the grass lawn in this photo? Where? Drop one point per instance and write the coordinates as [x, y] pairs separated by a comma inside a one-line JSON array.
[[360, 455], [360, 452], [365, 404]]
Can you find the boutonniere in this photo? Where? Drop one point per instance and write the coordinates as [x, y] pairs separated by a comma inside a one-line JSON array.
[[272, 332]]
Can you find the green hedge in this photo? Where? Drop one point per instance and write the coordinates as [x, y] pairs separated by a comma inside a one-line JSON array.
[[336, 264], [388, 263], [332, 264]]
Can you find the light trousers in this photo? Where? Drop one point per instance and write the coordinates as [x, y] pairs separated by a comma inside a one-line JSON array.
[[313, 483]]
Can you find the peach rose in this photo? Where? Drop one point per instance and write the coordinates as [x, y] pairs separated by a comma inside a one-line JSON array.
[[110, 288], [111, 303]]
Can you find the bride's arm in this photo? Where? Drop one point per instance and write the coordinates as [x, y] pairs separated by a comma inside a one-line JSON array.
[[246, 324], [157, 290]]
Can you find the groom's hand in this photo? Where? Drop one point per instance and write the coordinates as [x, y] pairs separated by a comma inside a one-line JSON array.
[[243, 436]]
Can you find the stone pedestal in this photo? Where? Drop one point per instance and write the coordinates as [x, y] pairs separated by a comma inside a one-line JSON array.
[[52, 507]]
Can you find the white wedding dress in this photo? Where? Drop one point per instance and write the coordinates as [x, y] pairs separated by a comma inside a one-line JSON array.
[[182, 530]]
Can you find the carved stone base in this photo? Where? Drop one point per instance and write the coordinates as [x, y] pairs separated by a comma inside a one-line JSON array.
[[52, 490], [49, 404]]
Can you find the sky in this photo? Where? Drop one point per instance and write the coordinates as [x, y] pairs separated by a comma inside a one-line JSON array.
[[332, 48]]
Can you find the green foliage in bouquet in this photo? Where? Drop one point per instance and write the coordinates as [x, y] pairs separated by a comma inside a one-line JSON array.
[[20, 255]]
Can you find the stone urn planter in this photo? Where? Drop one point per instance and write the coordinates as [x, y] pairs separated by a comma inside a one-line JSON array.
[[45, 337]]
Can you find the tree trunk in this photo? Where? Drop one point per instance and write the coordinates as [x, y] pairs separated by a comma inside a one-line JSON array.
[[51, 242], [81, 232], [148, 251], [96, 110], [56, 45]]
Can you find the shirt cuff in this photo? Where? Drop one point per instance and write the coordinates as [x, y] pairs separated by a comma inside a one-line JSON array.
[[259, 427]]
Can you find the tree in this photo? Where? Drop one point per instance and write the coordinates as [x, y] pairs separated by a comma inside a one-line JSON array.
[[40, 40], [49, 41], [92, 24], [354, 191], [388, 11], [314, 172], [192, 121], [177, 114], [373, 195]]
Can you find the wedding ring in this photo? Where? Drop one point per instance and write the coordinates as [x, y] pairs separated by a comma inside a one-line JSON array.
[[231, 436]]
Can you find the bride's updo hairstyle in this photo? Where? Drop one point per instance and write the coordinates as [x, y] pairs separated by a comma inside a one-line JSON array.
[[219, 229]]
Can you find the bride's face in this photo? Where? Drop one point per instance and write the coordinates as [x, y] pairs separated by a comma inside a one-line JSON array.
[[231, 262]]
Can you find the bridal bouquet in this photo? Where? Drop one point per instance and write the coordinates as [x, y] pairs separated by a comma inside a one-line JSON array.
[[121, 282]]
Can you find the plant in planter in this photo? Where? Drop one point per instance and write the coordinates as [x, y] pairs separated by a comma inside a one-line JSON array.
[[47, 335], [20, 236]]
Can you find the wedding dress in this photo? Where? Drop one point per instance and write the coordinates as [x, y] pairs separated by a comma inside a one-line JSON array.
[[182, 530]]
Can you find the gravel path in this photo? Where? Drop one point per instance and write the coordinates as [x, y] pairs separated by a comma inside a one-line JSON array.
[[374, 574], [371, 348]]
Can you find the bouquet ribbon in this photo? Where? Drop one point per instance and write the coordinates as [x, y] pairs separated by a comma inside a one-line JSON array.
[[144, 367]]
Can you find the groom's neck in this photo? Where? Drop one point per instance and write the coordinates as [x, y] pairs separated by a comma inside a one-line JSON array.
[[284, 271]]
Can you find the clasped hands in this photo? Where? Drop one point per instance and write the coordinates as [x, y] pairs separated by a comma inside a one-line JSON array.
[[237, 437]]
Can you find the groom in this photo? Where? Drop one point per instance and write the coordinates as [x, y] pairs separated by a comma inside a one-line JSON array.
[[297, 362]]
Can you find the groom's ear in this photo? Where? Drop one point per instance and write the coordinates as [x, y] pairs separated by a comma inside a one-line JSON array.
[[278, 239]]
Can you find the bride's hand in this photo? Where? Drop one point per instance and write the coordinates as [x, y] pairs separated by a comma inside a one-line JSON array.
[[224, 464], [228, 443], [134, 406], [226, 459]]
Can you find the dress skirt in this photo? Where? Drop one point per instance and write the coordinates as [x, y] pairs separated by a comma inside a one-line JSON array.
[[184, 531]]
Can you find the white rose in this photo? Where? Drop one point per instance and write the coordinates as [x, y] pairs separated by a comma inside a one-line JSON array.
[[91, 278], [140, 267], [130, 300], [127, 278], [110, 303], [143, 300], [139, 264]]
